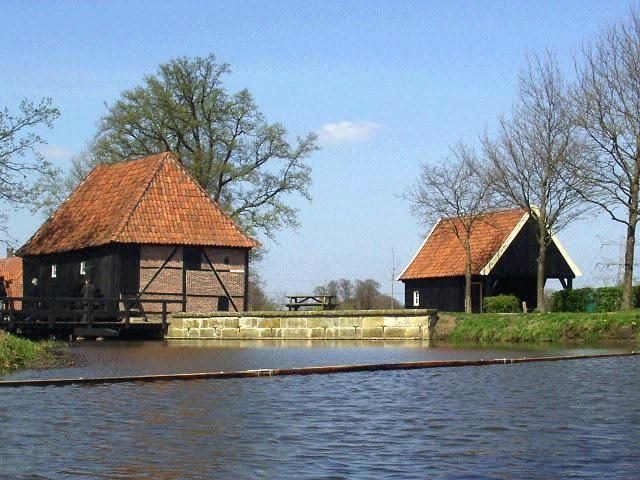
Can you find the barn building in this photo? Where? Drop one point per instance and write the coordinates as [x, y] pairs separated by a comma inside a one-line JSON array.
[[503, 261], [142, 228]]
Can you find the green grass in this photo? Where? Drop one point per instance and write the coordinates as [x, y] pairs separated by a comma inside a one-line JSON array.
[[547, 327], [18, 353]]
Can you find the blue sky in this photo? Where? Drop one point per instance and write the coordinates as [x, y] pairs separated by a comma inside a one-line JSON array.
[[386, 84]]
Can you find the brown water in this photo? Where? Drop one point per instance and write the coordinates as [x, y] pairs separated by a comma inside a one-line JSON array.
[[576, 419]]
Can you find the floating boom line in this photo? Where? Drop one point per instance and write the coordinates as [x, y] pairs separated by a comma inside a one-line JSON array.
[[321, 370]]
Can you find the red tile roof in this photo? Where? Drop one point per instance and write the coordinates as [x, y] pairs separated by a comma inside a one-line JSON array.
[[151, 200], [442, 254], [11, 270]]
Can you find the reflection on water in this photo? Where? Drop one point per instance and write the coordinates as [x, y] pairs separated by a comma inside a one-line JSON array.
[[568, 419]]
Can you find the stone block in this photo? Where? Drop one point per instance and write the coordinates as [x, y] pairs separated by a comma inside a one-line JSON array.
[[231, 323], [188, 323], [208, 333], [320, 322], [372, 332], [229, 333], [216, 322], [346, 332], [295, 333], [266, 332], [318, 332], [177, 332], [248, 322], [294, 322], [194, 333], [177, 323], [372, 322], [248, 333], [345, 322], [405, 321], [268, 322], [402, 332]]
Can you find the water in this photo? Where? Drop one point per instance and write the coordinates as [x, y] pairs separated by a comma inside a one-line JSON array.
[[577, 419]]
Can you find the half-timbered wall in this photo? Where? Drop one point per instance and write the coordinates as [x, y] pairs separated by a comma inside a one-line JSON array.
[[193, 282]]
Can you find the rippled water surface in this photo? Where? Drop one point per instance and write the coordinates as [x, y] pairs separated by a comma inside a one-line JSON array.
[[576, 419]]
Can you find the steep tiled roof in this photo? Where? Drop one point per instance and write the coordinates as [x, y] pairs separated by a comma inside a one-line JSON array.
[[442, 254], [151, 200], [11, 270]]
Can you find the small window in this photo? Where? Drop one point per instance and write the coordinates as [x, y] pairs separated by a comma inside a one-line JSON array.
[[416, 298], [223, 304], [192, 258], [83, 268], [226, 260], [54, 271]]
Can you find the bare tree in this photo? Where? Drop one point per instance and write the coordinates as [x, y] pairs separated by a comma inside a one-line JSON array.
[[607, 110], [258, 298], [456, 190], [534, 152], [20, 160]]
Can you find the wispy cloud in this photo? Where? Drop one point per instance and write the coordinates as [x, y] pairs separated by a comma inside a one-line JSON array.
[[55, 152], [347, 132]]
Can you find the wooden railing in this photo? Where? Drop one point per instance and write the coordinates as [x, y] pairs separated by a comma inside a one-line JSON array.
[[80, 311]]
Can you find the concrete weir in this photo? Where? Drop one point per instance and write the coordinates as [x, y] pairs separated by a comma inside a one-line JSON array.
[[308, 325]]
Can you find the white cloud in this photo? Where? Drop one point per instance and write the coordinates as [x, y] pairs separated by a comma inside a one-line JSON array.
[[347, 132], [55, 152]]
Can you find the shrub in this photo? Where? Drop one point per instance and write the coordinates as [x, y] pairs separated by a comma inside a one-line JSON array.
[[578, 300], [501, 304], [608, 299]]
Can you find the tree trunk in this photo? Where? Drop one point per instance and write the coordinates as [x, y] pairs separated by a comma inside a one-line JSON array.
[[540, 280], [629, 254], [468, 307]]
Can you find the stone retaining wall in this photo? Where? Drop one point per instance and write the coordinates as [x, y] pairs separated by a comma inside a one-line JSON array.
[[318, 325]]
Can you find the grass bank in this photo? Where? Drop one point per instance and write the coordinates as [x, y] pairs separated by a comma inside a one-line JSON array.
[[547, 327], [18, 353]]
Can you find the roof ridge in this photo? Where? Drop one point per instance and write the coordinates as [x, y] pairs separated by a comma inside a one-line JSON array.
[[59, 207], [214, 203], [125, 220]]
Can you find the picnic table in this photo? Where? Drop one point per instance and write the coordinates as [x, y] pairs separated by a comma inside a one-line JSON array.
[[297, 301]]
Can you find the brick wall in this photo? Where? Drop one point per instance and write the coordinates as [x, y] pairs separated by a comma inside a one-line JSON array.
[[203, 288]]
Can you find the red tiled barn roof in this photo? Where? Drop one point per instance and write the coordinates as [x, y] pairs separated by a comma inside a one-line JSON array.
[[11, 270], [151, 200], [442, 254]]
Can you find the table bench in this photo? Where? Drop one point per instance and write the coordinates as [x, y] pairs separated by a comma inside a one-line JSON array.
[[326, 302]]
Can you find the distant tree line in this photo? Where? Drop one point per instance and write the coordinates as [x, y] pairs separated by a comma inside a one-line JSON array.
[[357, 294], [564, 149]]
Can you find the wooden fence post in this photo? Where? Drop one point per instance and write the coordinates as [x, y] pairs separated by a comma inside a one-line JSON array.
[[164, 316]]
